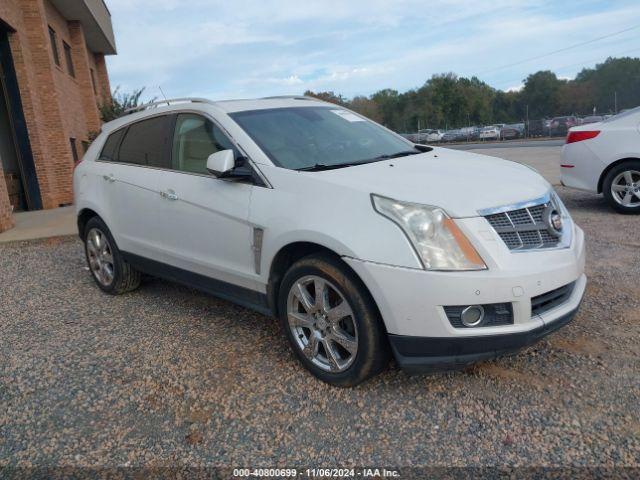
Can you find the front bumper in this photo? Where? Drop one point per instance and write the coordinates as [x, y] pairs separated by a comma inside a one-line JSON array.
[[411, 301], [432, 354]]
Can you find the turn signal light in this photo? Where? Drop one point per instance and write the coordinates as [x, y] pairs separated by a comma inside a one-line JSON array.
[[579, 136]]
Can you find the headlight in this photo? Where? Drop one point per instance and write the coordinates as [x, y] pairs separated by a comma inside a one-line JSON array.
[[438, 241]]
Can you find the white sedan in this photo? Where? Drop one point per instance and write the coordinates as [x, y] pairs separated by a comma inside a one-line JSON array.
[[604, 157], [490, 133]]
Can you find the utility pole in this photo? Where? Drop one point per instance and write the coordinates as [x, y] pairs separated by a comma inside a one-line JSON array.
[[615, 102], [527, 121]]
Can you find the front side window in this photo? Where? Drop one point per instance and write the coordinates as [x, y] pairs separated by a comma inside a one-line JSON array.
[[146, 142], [315, 137], [196, 138]]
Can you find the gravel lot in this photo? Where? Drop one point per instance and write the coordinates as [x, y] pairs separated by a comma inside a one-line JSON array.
[[166, 375]]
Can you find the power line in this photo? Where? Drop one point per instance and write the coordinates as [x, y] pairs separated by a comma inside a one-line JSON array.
[[585, 62], [559, 50]]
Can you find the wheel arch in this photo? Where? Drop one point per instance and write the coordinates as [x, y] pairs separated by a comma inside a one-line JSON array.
[[610, 167], [84, 216], [291, 253]]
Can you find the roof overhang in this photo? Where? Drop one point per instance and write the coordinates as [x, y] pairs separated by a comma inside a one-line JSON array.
[[95, 19]]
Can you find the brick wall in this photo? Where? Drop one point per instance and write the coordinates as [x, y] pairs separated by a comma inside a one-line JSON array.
[[56, 105]]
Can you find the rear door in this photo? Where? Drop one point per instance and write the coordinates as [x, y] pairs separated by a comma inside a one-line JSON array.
[[204, 219], [133, 174]]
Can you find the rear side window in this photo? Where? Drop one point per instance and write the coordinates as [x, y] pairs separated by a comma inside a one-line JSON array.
[[196, 138], [110, 148], [146, 143]]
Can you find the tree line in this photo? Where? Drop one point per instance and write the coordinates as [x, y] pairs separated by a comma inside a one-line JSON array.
[[447, 101]]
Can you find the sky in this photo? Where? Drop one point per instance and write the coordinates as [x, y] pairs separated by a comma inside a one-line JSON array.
[[253, 48]]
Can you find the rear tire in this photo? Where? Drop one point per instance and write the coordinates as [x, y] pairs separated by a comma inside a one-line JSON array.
[[621, 187], [109, 270], [331, 321]]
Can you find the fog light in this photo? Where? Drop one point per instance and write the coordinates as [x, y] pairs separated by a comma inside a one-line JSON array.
[[472, 316]]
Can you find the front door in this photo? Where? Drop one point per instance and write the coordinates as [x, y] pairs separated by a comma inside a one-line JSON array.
[[205, 220]]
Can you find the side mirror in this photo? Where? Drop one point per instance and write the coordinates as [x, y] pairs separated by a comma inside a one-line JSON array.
[[221, 163]]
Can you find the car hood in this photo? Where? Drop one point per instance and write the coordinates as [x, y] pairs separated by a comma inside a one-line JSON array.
[[459, 182]]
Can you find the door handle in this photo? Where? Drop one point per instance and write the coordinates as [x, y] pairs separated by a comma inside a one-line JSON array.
[[109, 178], [169, 195]]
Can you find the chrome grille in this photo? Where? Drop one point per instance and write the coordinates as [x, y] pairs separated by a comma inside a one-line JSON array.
[[524, 228]]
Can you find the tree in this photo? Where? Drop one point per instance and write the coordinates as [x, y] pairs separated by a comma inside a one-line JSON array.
[[449, 101], [617, 79], [119, 103], [541, 94]]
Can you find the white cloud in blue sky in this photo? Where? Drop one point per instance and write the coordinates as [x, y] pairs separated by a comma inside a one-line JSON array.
[[243, 48]]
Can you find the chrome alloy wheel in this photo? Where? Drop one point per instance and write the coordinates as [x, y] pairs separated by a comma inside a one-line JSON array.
[[322, 323], [625, 188], [100, 256]]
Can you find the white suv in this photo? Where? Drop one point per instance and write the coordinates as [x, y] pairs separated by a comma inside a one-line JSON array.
[[362, 243]]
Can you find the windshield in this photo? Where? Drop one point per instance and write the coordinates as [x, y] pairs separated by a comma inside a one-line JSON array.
[[304, 137]]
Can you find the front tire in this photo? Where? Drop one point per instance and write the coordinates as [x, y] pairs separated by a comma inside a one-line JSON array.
[[109, 270], [621, 187], [331, 321]]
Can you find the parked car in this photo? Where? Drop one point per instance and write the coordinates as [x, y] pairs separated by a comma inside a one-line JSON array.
[[452, 136], [510, 132], [560, 125], [344, 230], [591, 119], [538, 128], [431, 135], [470, 133], [604, 157], [489, 133]]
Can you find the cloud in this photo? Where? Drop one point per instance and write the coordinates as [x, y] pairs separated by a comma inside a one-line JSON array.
[[255, 48]]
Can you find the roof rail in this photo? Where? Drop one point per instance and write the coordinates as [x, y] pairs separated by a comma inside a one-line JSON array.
[[294, 97], [167, 102]]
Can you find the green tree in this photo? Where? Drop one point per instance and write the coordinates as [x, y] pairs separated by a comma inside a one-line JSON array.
[[615, 79], [120, 102], [541, 93]]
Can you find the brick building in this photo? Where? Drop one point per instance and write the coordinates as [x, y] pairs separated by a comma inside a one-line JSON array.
[[52, 78]]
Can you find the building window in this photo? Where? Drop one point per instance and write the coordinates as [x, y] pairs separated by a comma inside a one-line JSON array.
[[93, 81], [67, 55], [54, 45], [85, 146], [74, 150]]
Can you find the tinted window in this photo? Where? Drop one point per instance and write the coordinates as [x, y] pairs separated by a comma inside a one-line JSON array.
[[301, 137], [196, 138], [146, 142], [111, 146]]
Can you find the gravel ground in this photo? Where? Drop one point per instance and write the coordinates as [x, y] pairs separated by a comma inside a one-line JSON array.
[[168, 376]]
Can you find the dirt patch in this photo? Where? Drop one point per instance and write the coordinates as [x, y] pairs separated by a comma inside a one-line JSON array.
[[495, 370], [579, 345]]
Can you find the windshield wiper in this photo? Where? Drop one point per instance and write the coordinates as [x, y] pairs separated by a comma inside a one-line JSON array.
[[404, 153], [321, 166]]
